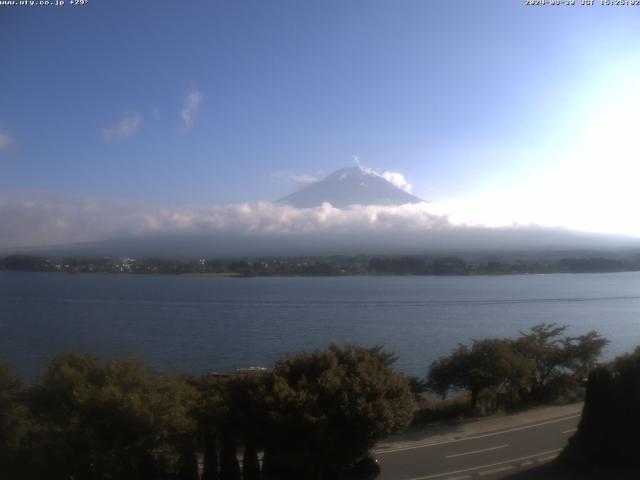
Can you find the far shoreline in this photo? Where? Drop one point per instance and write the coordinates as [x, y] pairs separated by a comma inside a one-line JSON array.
[[236, 275], [469, 264]]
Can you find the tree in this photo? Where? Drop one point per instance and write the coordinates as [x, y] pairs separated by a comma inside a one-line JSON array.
[[488, 363], [10, 392], [540, 364], [188, 463], [211, 413], [418, 386], [15, 424], [25, 263], [552, 358], [447, 372], [399, 265], [250, 464], [231, 412], [210, 458], [582, 352], [114, 420], [229, 467], [450, 265], [246, 397], [328, 408], [608, 429]]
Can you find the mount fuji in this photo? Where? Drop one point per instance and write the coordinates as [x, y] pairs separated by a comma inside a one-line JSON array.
[[350, 186]]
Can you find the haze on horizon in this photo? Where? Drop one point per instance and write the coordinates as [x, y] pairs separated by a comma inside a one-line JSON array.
[[134, 119]]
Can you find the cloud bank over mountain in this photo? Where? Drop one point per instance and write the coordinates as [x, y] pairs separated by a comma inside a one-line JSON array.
[[124, 228], [54, 219], [352, 210]]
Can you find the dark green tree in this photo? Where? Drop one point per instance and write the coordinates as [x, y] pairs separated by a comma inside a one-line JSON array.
[[114, 420], [553, 359], [210, 458], [211, 413], [539, 365], [15, 424], [246, 396], [188, 463], [608, 429], [250, 464], [229, 466], [418, 386], [328, 408], [486, 364]]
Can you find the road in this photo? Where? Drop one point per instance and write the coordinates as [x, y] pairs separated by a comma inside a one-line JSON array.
[[489, 455]]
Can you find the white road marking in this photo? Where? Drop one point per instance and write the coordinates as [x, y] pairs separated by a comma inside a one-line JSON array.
[[480, 467], [476, 451], [495, 470], [492, 434], [545, 459], [571, 430]]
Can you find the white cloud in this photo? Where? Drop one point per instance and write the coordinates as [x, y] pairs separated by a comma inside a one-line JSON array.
[[395, 178], [124, 128], [192, 103], [398, 180], [28, 221], [299, 179], [53, 219]]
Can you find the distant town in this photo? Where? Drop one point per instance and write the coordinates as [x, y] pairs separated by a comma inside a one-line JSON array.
[[328, 265]]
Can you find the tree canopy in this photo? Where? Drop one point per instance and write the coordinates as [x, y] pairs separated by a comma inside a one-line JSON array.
[[535, 365], [328, 408], [104, 421], [314, 416]]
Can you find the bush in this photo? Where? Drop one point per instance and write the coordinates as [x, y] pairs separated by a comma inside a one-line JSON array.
[[432, 410]]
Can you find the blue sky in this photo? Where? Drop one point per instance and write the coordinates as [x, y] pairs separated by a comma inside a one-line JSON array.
[[218, 101]]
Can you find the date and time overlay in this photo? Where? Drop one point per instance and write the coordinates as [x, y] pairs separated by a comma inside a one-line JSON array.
[[527, 3], [583, 3]]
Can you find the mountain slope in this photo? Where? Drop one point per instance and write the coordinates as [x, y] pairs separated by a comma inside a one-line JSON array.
[[350, 186]]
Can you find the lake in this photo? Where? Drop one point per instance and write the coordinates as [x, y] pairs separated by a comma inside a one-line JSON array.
[[200, 324]]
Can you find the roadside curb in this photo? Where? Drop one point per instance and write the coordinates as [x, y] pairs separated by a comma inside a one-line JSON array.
[[446, 432]]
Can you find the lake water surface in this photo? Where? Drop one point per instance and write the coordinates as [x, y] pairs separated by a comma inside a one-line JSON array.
[[199, 324]]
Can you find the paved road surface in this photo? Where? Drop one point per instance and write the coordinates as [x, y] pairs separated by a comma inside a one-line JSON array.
[[489, 455]]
